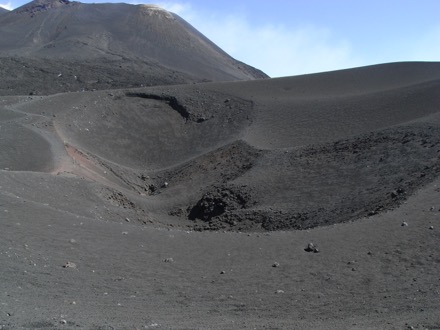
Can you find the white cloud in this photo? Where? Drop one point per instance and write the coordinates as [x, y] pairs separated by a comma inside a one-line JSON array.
[[177, 8], [280, 51], [275, 49], [7, 6]]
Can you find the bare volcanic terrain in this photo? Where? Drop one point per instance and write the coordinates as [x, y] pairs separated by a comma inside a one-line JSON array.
[[307, 202], [192, 206], [100, 46]]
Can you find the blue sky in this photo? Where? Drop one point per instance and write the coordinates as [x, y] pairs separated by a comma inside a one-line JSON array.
[[291, 37]]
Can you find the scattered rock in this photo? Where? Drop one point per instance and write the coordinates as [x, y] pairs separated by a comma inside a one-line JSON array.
[[63, 322], [69, 265], [152, 325], [220, 200], [311, 248], [127, 219], [279, 291], [152, 189], [397, 192], [431, 227], [275, 264], [165, 185], [168, 260], [222, 272], [125, 233], [400, 191], [404, 224]]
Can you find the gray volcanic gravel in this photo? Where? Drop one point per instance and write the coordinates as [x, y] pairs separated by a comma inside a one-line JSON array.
[[166, 207], [135, 194]]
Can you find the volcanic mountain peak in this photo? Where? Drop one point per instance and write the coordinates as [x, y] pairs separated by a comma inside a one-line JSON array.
[[119, 35], [42, 5], [155, 10]]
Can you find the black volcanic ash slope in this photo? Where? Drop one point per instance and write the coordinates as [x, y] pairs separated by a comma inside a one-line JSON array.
[[272, 154], [53, 46]]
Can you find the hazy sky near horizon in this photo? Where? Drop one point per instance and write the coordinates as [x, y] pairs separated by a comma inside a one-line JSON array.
[[291, 37]]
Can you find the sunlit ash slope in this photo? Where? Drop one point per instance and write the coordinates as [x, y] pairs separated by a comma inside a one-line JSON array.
[[308, 202], [68, 46], [287, 153], [103, 194]]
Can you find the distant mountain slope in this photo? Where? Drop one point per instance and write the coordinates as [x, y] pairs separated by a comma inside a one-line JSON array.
[[133, 38], [3, 10]]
